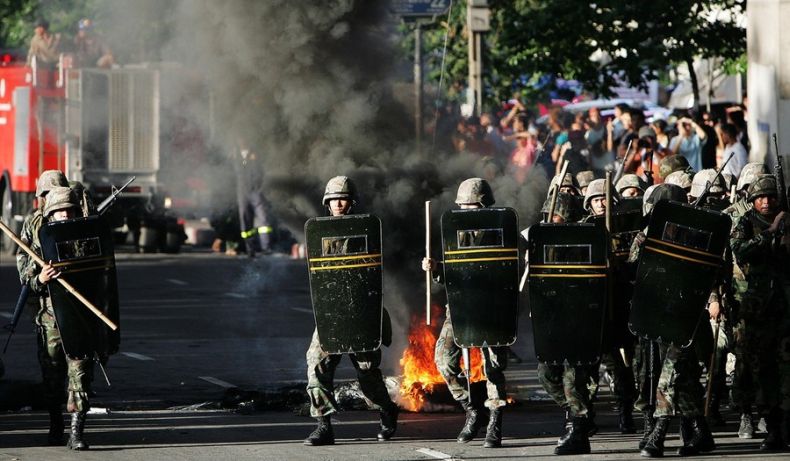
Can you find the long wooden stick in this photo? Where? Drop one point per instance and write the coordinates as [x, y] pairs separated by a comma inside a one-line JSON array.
[[64, 283], [556, 191], [428, 255]]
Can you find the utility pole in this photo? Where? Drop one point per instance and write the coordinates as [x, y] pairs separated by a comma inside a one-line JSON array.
[[478, 21]]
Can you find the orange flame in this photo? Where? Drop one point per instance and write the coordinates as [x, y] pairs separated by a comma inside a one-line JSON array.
[[419, 370]]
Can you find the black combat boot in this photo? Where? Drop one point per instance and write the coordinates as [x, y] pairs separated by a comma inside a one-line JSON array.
[[650, 423], [577, 442], [323, 434], [627, 418], [714, 416], [56, 426], [77, 428], [494, 429], [654, 448], [592, 428], [472, 424], [389, 422], [746, 429], [696, 436], [567, 427], [773, 424]]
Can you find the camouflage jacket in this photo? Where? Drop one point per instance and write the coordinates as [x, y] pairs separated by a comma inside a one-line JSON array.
[[27, 267], [753, 248]]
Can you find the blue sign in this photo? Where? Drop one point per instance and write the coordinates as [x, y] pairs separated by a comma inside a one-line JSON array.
[[419, 7]]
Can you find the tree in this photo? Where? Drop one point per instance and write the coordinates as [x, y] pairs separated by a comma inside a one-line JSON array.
[[595, 43]]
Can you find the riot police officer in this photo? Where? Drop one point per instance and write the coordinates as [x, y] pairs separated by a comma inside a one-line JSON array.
[[472, 193], [340, 197], [56, 365], [761, 334], [47, 181], [668, 375]]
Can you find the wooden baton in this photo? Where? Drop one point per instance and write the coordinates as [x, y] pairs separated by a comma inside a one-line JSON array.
[[64, 283]]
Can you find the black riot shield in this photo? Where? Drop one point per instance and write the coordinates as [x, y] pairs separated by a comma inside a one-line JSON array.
[[344, 257], [82, 249], [567, 291], [677, 268], [627, 221], [481, 265]]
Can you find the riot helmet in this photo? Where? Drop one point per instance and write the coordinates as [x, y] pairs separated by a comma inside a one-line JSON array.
[[340, 187], [563, 208], [569, 182], [596, 188], [60, 198], [749, 173], [48, 180], [681, 178], [763, 185], [584, 178], [703, 178], [671, 164], [659, 192], [630, 181], [475, 191]]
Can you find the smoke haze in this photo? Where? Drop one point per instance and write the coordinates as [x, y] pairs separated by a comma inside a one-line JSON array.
[[308, 84]]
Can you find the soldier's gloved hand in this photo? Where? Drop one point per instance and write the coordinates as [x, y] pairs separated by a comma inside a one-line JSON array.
[[48, 272], [640, 239], [777, 221], [428, 264], [714, 308]]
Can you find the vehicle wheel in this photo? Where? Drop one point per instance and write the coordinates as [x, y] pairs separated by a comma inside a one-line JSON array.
[[149, 239]]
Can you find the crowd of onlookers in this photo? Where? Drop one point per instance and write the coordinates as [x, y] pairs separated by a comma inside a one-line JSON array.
[[516, 140]]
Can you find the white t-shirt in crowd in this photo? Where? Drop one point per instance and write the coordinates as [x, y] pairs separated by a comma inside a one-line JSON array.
[[739, 159]]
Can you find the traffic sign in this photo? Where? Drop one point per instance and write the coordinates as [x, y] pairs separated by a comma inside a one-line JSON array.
[[419, 7]]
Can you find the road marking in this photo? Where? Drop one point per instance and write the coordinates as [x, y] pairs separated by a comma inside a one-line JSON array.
[[177, 282], [218, 382], [137, 356], [434, 453], [7, 315], [302, 309], [236, 295]]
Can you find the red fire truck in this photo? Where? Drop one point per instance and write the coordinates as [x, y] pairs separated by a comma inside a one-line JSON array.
[[100, 127]]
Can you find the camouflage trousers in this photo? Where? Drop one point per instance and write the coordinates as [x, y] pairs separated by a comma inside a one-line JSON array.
[[567, 385], [679, 390], [722, 347], [56, 366], [647, 368], [762, 349], [447, 356], [321, 374], [621, 377]]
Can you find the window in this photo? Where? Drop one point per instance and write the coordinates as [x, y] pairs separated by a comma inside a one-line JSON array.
[[345, 245], [686, 236], [567, 254], [480, 238], [79, 249]]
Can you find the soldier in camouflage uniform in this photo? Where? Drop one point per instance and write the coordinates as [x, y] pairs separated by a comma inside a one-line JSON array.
[[472, 193], [762, 332], [671, 164], [742, 388], [715, 198], [48, 180], [567, 384], [620, 374], [56, 365], [677, 389], [339, 198]]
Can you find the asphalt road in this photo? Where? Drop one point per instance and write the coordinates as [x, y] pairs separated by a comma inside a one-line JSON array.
[[198, 327]]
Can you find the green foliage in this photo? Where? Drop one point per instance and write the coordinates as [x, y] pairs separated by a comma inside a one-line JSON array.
[[593, 42], [18, 17]]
